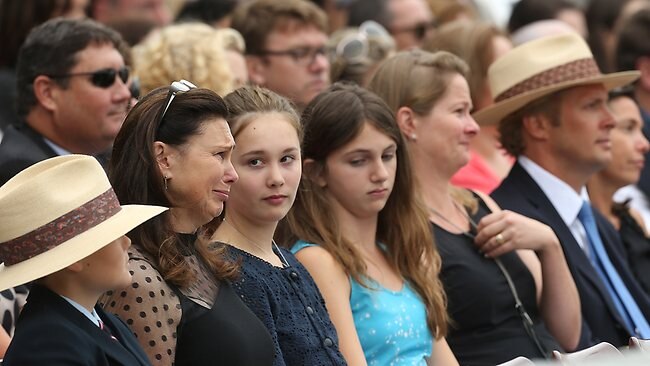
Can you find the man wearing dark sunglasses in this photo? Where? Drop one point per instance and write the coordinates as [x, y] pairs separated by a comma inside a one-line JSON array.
[[410, 22], [285, 47], [72, 94]]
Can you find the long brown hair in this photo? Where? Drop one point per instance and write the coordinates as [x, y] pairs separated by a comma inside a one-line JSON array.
[[136, 178], [331, 120]]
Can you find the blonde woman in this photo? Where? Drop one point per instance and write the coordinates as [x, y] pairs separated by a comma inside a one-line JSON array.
[[483, 248], [211, 58], [274, 285]]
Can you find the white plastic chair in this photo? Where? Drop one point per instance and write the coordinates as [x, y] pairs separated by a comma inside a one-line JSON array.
[[637, 344], [595, 352], [519, 361]]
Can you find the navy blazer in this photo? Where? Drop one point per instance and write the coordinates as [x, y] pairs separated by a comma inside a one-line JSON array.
[[601, 322], [20, 148], [50, 331]]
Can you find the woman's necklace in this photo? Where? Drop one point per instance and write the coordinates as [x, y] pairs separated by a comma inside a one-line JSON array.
[[283, 260], [472, 224], [519, 306]]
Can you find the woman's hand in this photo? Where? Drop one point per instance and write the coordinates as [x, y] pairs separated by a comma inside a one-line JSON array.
[[504, 231]]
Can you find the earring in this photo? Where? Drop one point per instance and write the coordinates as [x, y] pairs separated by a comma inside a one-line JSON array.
[[413, 137], [165, 179]]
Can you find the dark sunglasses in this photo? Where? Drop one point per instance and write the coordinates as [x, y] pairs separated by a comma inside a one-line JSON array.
[[177, 87], [103, 78], [419, 30]]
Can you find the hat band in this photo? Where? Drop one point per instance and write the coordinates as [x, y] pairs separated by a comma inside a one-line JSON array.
[[60, 230], [575, 70]]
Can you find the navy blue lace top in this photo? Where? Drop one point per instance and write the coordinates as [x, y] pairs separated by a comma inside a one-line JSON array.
[[288, 302]]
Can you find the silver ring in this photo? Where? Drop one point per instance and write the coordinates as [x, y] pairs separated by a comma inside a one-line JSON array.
[[500, 239]]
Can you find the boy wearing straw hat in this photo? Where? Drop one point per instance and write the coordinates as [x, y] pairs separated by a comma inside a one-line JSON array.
[[552, 115], [62, 227]]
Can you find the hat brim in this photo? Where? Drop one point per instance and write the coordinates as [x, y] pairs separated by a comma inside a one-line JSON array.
[[495, 113], [77, 248]]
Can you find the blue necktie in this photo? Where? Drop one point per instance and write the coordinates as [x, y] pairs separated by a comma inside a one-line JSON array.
[[635, 321]]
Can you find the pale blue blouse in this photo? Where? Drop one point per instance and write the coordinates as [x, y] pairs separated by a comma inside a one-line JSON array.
[[391, 325]]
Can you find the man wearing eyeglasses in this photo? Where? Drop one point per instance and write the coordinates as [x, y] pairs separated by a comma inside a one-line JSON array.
[[285, 47], [72, 94], [410, 22]]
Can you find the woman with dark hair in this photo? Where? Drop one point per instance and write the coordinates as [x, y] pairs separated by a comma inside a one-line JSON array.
[[629, 148], [272, 282], [364, 236], [494, 263], [174, 150]]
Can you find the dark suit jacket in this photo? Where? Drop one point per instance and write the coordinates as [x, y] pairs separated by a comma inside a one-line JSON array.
[[52, 332], [20, 148], [601, 322]]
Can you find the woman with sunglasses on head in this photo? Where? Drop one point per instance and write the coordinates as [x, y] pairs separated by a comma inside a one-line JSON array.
[[355, 53], [629, 147], [174, 149], [272, 282], [488, 255], [364, 236]]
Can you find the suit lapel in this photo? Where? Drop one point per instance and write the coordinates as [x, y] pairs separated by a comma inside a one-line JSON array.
[[545, 212], [121, 351], [125, 337]]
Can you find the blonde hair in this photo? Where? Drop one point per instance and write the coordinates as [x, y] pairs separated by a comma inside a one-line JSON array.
[[472, 42], [248, 102], [418, 79], [191, 51]]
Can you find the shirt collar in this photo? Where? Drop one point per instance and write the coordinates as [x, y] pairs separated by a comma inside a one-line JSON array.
[[93, 317], [566, 201], [57, 149]]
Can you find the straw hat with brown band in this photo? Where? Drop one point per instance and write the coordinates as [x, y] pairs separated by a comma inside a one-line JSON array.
[[539, 68], [57, 212]]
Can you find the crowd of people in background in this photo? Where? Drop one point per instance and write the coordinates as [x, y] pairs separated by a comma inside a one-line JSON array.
[[322, 182]]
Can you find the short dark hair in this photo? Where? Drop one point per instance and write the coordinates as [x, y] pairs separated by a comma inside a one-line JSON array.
[[528, 11], [256, 19], [51, 49], [511, 126], [206, 11], [633, 40]]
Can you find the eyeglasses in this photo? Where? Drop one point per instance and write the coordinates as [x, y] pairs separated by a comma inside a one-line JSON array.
[[177, 87], [103, 78], [303, 56], [355, 47], [419, 30]]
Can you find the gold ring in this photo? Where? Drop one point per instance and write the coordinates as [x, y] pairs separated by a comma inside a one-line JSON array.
[[500, 239]]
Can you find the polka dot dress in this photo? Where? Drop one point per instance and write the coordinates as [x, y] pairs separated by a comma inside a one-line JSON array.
[[149, 307], [203, 324]]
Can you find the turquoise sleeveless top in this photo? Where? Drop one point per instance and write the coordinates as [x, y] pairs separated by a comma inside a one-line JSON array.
[[391, 325]]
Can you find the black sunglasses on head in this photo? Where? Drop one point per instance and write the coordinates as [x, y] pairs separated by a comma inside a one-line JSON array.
[[103, 78]]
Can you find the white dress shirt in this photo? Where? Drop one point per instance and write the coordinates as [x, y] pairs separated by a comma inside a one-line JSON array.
[[564, 199]]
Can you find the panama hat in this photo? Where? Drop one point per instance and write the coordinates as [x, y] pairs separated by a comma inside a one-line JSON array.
[[539, 68], [57, 212]]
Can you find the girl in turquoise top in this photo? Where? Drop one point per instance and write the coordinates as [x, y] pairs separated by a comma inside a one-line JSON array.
[[357, 191]]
